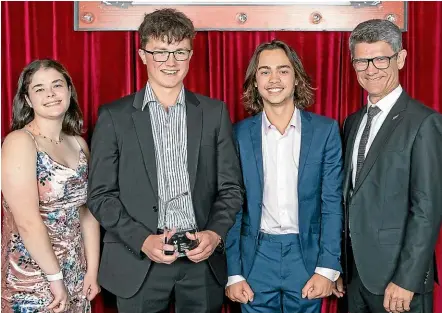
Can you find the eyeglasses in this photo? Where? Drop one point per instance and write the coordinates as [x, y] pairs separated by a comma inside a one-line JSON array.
[[381, 63], [163, 56]]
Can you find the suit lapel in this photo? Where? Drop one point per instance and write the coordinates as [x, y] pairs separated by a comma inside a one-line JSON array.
[[349, 146], [143, 128], [391, 122], [194, 128], [306, 140], [256, 138]]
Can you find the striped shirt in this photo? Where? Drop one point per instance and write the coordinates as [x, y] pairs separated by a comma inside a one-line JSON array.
[[169, 130]]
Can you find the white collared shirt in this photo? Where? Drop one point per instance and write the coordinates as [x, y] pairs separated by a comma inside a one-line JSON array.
[[385, 104], [280, 154], [280, 195]]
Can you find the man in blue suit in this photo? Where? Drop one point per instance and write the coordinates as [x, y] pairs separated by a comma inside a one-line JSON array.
[[283, 252]]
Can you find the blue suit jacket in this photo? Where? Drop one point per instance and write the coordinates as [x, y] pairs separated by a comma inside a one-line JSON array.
[[319, 194]]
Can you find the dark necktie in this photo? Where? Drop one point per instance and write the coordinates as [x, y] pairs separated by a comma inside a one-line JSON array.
[[372, 112]]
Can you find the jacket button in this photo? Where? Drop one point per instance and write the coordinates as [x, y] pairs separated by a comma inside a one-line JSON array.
[[154, 208]]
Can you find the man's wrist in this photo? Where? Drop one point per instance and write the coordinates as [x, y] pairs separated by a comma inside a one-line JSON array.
[[214, 235], [231, 280], [328, 273], [143, 249], [219, 245]]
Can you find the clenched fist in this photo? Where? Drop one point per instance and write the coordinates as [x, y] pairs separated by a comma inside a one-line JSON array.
[[240, 292]]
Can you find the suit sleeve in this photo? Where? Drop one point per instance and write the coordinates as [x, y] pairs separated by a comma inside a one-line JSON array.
[[331, 209], [233, 243], [425, 213], [230, 188], [103, 190]]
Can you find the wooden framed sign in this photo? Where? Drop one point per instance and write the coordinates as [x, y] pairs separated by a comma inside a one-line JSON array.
[[245, 15]]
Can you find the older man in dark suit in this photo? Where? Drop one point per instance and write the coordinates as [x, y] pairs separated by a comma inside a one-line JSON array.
[[392, 186]]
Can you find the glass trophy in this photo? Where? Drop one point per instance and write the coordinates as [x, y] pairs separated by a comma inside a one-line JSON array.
[[179, 239]]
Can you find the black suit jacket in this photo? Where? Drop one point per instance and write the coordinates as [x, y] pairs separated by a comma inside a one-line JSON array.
[[123, 187], [395, 207]]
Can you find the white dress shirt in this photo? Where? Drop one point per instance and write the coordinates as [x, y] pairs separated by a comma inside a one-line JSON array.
[[280, 158], [385, 104], [280, 195]]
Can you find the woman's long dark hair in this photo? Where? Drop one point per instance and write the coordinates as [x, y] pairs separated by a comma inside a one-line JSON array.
[[22, 113]]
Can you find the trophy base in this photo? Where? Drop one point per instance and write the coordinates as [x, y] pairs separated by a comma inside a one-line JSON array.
[[181, 243]]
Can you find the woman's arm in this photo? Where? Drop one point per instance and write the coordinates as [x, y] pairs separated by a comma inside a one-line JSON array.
[[90, 230], [19, 186]]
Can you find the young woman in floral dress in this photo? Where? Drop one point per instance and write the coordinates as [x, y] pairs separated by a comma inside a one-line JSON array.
[[50, 240]]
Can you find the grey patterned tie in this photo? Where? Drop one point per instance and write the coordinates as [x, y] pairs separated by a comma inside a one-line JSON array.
[[372, 112]]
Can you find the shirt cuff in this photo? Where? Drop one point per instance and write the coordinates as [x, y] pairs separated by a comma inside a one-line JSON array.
[[327, 273], [234, 279]]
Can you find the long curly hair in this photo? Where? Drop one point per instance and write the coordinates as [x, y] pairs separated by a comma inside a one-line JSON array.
[[303, 96]]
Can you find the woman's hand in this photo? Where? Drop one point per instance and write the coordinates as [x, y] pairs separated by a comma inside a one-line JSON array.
[[90, 286], [61, 298]]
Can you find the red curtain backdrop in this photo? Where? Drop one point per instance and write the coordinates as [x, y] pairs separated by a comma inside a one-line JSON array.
[[105, 66]]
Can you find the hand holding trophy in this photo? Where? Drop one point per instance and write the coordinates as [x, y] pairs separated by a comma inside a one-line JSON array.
[[176, 223]]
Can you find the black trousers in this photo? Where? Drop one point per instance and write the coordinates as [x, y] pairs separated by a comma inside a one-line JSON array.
[[191, 286], [360, 300]]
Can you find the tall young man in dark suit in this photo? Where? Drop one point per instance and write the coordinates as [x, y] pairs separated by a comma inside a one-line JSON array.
[[392, 185], [164, 159]]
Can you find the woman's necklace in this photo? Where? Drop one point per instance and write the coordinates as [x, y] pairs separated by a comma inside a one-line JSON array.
[[57, 142]]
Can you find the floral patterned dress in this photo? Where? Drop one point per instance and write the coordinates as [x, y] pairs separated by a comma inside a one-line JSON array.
[[62, 190]]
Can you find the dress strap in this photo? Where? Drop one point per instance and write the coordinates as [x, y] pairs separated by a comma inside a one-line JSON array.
[[33, 138], [78, 143]]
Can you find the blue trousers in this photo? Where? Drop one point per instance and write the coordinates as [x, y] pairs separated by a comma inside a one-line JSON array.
[[277, 277]]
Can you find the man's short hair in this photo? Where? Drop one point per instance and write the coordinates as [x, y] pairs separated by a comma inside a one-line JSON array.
[[167, 25], [375, 30]]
